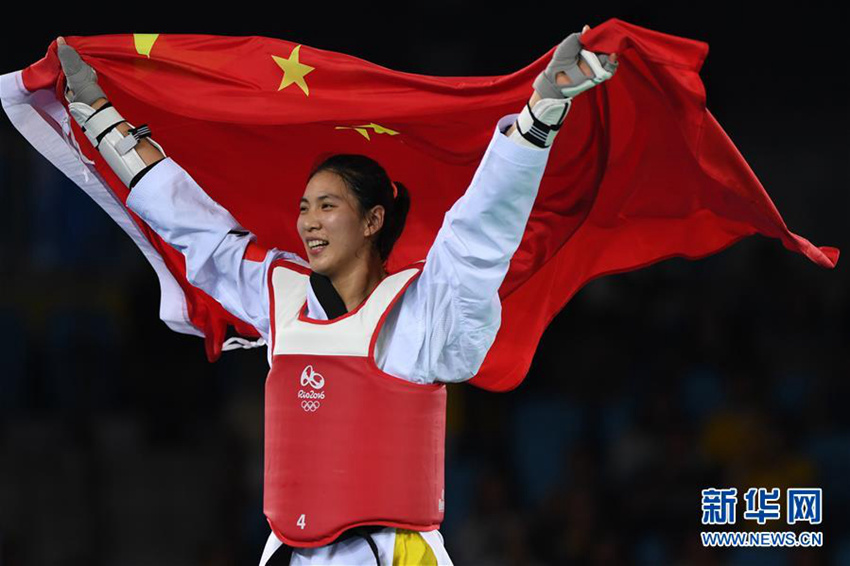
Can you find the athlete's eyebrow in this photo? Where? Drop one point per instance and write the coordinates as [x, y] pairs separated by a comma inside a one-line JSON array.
[[320, 197]]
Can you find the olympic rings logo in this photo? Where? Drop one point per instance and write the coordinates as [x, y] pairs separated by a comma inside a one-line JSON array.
[[312, 378], [310, 406]]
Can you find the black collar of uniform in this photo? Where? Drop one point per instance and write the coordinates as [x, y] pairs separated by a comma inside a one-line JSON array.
[[327, 295]]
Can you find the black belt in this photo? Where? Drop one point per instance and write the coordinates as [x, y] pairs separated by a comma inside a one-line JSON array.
[[283, 555]]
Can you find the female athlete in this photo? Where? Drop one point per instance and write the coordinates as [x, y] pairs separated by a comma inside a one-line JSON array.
[[355, 398]]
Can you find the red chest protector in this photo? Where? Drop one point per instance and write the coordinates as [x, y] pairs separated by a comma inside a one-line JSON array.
[[345, 443]]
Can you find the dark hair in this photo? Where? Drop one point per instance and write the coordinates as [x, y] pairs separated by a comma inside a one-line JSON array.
[[372, 186]]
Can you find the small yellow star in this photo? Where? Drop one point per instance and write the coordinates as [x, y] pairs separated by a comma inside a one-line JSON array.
[[293, 70], [144, 43], [363, 130]]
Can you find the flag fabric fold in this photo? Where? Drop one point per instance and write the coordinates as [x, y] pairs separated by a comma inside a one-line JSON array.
[[640, 172]]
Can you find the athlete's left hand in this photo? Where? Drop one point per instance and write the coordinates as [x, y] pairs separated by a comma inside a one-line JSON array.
[[570, 58]]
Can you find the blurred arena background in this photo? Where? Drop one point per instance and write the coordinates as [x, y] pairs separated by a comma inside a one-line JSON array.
[[120, 445]]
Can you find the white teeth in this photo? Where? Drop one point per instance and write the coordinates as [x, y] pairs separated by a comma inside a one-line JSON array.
[[316, 243]]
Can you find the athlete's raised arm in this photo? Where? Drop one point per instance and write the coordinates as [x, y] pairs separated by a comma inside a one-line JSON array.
[[220, 257], [455, 302]]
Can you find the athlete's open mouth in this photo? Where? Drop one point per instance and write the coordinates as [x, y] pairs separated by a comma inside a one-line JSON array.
[[316, 245]]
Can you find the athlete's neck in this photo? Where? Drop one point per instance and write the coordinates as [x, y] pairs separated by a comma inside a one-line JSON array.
[[356, 284]]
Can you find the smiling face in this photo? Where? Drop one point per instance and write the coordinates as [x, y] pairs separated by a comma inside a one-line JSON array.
[[330, 212]]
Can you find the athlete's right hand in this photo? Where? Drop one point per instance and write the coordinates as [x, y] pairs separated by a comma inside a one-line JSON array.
[[81, 79]]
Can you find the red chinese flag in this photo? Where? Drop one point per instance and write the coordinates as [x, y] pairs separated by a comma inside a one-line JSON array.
[[641, 171]]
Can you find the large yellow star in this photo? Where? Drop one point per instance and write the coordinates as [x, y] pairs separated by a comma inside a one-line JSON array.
[[293, 70]]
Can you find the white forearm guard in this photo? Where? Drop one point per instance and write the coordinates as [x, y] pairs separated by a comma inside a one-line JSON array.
[[118, 150], [538, 127]]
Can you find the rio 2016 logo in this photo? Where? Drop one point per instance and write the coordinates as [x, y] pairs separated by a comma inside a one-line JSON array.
[[310, 399], [312, 378]]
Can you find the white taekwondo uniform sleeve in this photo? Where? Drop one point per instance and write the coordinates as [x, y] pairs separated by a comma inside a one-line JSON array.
[[212, 241], [449, 316]]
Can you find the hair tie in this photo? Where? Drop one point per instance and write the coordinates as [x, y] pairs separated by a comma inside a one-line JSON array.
[[395, 190]]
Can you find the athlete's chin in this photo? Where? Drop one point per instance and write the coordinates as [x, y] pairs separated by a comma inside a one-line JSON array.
[[322, 264], [319, 267]]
